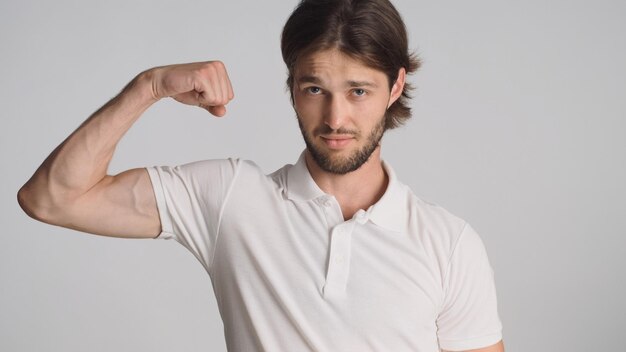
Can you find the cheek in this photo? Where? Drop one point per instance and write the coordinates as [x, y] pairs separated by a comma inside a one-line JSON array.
[[298, 102], [372, 110], [305, 108], [300, 98]]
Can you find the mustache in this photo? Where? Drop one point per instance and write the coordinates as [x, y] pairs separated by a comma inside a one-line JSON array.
[[325, 129]]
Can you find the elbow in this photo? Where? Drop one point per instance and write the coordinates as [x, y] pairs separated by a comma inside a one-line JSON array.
[[27, 203], [35, 205]]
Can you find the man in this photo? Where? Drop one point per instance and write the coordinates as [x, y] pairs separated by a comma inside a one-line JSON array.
[[330, 254]]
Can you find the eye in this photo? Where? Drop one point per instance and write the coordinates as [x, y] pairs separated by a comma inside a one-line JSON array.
[[359, 92], [314, 90]]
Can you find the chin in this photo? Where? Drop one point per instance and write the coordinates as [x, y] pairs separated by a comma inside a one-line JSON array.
[[339, 162]]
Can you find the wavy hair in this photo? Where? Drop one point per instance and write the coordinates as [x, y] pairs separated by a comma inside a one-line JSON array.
[[370, 31]]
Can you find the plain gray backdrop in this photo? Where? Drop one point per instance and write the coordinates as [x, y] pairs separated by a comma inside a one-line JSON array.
[[518, 127]]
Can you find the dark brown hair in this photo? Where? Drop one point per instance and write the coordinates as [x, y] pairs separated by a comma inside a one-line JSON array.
[[370, 31]]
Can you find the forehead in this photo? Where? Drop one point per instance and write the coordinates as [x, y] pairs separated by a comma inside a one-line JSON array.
[[333, 64]]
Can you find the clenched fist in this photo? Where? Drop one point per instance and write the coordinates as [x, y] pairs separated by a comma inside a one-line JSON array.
[[204, 84]]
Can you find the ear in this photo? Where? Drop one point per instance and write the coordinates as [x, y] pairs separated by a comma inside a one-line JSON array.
[[398, 87]]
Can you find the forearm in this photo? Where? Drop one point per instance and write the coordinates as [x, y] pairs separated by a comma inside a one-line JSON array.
[[71, 188], [82, 160]]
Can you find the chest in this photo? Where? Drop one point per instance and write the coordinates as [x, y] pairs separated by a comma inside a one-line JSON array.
[[303, 261]]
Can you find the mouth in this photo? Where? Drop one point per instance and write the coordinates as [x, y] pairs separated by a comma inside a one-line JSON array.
[[337, 141]]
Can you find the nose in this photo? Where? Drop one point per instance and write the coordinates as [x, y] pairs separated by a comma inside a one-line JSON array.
[[337, 112]]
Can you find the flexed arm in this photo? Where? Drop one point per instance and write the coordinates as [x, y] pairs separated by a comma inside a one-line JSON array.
[[72, 189]]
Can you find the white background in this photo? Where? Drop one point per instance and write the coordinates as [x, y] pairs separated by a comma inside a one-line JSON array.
[[518, 127]]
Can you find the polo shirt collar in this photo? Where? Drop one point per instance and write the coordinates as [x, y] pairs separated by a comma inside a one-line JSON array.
[[300, 183], [390, 212]]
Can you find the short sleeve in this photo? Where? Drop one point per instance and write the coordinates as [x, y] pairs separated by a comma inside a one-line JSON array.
[[190, 199], [469, 315]]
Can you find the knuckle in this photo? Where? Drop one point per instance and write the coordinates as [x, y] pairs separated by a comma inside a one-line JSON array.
[[216, 67], [212, 68], [218, 64], [214, 100], [209, 100]]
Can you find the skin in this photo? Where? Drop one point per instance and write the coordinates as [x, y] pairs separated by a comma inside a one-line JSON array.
[[338, 116], [498, 347], [72, 189], [339, 103]]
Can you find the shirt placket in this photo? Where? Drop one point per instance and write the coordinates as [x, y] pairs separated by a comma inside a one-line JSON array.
[[338, 270]]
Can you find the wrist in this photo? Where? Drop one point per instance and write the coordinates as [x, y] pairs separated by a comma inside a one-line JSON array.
[[141, 88]]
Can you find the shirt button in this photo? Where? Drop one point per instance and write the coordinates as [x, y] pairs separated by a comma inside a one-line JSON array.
[[339, 259], [328, 203], [361, 218]]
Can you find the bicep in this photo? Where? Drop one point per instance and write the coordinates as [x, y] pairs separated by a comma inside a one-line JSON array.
[[123, 205]]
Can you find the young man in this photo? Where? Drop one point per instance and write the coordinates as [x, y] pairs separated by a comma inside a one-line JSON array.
[[330, 254]]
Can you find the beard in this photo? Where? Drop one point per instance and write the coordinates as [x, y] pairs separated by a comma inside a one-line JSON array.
[[352, 162]]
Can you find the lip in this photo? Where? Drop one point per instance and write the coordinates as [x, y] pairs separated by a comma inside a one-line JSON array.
[[337, 141]]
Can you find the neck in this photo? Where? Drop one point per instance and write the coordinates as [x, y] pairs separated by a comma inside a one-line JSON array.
[[355, 190]]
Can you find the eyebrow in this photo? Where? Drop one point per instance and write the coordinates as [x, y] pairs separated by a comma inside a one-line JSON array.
[[309, 79], [350, 83], [362, 84]]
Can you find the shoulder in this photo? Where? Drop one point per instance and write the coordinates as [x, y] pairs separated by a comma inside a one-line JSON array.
[[431, 213], [280, 176], [429, 222], [434, 224], [200, 168], [221, 168], [250, 180], [242, 170]]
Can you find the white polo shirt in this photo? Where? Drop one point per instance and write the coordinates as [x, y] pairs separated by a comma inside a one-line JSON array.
[[290, 274]]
